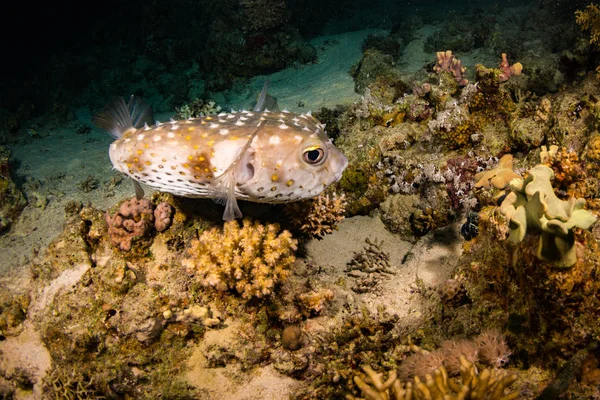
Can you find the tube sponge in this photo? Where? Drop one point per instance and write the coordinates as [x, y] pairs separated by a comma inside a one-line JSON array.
[[532, 207]]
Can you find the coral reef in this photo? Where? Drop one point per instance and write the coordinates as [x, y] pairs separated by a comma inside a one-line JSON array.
[[250, 259], [532, 206], [317, 217], [12, 200]]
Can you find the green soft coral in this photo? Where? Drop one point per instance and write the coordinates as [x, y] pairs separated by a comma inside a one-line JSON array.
[[533, 207]]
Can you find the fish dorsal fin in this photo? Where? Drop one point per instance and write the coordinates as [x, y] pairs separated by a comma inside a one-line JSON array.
[[140, 112], [226, 182], [265, 100], [117, 117]]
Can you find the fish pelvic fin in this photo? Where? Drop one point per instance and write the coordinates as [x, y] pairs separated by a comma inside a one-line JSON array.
[[117, 117], [139, 191]]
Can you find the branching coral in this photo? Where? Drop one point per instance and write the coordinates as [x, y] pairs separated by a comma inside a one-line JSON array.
[[489, 384], [368, 266], [532, 206], [317, 217], [251, 258], [589, 20]]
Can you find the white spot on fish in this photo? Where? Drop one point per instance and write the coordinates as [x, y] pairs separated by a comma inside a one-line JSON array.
[[283, 126], [141, 137], [222, 114], [243, 118], [239, 123], [306, 129], [274, 140], [146, 127], [170, 135], [285, 111], [157, 138], [230, 116], [213, 125], [224, 131], [127, 140]]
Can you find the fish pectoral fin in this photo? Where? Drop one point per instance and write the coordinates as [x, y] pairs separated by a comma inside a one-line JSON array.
[[225, 195]]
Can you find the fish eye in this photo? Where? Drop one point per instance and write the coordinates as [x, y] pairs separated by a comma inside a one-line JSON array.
[[313, 155]]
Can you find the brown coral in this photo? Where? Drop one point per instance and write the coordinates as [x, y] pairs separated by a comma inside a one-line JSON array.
[[131, 222], [317, 217], [251, 258], [498, 177], [134, 220], [492, 348], [163, 216]]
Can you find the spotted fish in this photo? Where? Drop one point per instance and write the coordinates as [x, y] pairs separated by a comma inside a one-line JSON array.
[[259, 155]]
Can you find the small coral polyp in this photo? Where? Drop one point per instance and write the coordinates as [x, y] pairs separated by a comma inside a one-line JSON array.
[[250, 259]]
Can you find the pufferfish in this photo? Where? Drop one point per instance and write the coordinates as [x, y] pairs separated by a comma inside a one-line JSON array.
[[260, 155]]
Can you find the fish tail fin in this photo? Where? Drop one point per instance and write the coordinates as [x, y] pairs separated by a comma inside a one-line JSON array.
[[117, 117]]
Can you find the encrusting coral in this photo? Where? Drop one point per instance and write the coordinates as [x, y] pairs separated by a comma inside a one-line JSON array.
[[532, 206], [135, 219], [251, 258]]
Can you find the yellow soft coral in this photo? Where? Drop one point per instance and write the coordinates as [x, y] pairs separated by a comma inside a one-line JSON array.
[[589, 20], [251, 259]]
